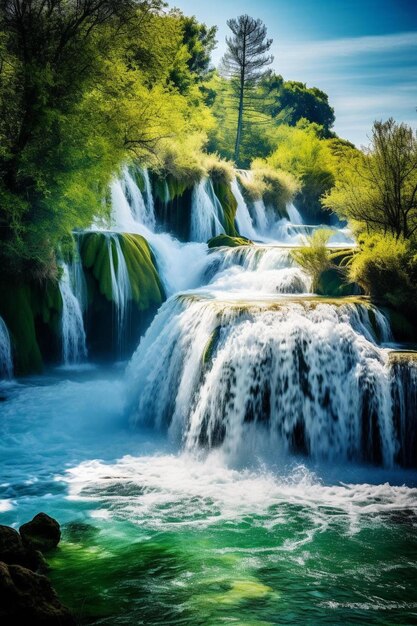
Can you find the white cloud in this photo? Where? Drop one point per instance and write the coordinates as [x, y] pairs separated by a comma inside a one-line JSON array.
[[347, 47]]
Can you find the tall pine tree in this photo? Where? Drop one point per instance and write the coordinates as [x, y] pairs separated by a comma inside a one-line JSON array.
[[244, 64]]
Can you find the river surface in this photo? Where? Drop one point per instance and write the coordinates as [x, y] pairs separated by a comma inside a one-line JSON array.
[[210, 481]]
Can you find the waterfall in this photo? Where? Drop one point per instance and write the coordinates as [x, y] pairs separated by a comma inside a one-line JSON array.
[[260, 217], [6, 360], [120, 283], [180, 265], [294, 215], [206, 212], [73, 335], [129, 207], [142, 210], [77, 279], [305, 376], [256, 269], [404, 394], [149, 198], [243, 218]]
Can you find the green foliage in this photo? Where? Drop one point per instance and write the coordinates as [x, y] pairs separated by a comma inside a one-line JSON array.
[[228, 241], [386, 268], [199, 41], [315, 259], [301, 152], [298, 102], [377, 190], [83, 86], [277, 187], [277, 103]]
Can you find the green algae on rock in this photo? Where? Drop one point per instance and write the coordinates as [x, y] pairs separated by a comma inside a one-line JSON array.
[[228, 241]]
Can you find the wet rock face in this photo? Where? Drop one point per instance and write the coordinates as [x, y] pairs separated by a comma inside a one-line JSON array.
[[42, 533], [27, 598]]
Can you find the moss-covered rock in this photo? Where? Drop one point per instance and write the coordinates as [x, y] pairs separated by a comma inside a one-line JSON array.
[[229, 242], [146, 285], [229, 205], [332, 282], [16, 310]]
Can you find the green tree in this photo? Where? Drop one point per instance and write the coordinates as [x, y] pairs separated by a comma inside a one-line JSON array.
[[377, 188], [244, 65], [299, 102], [83, 86]]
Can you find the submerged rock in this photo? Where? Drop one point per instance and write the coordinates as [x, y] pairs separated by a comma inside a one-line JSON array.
[[41, 533], [27, 598]]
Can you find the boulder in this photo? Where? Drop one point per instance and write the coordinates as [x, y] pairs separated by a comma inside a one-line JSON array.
[[41, 533], [27, 598], [13, 551]]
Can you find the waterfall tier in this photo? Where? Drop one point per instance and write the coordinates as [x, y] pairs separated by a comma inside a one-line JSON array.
[[301, 375]]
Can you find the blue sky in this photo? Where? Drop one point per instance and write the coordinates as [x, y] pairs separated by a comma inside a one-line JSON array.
[[363, 53]]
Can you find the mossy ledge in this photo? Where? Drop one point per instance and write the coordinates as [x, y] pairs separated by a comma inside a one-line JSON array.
[[32, 313], [226, 241]]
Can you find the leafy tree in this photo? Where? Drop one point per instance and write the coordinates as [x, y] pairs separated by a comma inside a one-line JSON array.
[[200, 41], [298, 101], [244, 64], [377, 188], [83, 85]]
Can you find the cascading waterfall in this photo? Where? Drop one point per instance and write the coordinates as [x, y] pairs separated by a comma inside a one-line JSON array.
[[73, 335], [301, 375], [206, 212], [231, 358], [120, 283], [6, 360], [142, 210], [243, 218], [180, 265], [266, 269]]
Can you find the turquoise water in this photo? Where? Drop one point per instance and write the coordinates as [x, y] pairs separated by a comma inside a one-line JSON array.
[[152, 535]]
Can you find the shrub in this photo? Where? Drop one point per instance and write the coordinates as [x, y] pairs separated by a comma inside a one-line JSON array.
[[386, 267]]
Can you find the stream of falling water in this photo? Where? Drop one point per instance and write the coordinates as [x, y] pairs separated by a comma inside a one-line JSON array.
[[245, 467]]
